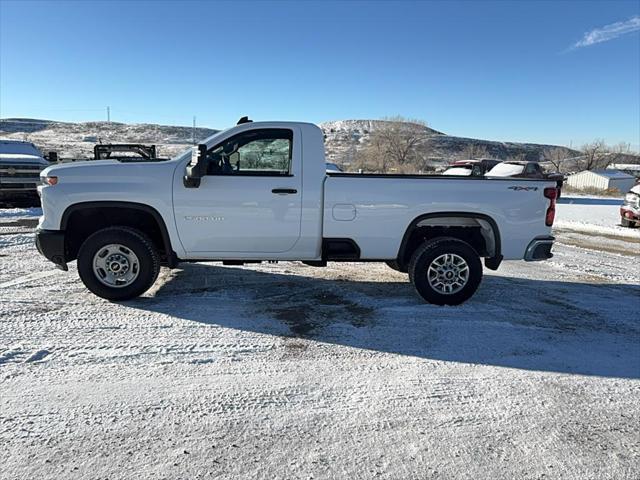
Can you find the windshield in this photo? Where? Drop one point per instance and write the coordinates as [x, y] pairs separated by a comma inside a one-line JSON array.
[[21, 148], [459, 171]]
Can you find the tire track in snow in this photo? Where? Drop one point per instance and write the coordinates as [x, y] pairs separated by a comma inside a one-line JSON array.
[[30, 277]]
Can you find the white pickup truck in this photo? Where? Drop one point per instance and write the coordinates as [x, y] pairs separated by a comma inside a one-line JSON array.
[[260, 191]]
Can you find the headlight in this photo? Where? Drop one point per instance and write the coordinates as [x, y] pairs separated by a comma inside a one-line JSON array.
[[49, 180]]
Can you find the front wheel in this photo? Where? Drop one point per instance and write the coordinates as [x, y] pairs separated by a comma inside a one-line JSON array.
[[627, 223], [445, 271], [118, 263]]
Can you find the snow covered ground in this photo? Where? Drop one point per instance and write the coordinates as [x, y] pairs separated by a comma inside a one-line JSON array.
[[593, 215], [288, 371]]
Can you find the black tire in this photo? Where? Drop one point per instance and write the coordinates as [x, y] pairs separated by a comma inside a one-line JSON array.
[[627, 223], [426, 253], [393, 264], [132, 239]]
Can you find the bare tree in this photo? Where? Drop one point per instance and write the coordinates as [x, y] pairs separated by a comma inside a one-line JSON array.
[[594, 156], [555, 156], [618, 152], [598, 154], [474, 152], [517, 157], [398, 143]]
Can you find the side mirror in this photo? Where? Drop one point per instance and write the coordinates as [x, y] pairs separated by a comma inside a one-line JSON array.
[[52, 157], [197, 167]]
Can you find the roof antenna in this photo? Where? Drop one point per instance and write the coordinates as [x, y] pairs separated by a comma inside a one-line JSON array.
[[244, 120]]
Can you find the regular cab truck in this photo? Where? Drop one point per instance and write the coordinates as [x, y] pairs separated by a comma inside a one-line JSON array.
[[260, 191]]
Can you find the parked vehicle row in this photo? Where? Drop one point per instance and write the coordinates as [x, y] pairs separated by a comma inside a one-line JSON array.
[[498, 168], [476, 168], [261, 191], [630, 209]]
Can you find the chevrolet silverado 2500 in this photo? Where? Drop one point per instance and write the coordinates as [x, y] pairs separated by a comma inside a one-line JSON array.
[[260, 191]]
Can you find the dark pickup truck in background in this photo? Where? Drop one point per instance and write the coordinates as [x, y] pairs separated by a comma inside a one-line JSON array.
[[20, 167]]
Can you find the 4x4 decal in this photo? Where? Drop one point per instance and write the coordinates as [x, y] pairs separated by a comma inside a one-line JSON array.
[[518, 188]]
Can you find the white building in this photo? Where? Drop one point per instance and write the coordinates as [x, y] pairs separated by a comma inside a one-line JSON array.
[[601, 180], [630, 168]]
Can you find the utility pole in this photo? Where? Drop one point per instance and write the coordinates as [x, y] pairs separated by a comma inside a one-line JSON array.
[[194, 130], [108, 114]]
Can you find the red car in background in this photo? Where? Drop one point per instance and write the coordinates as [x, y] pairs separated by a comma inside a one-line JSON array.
[[630, 209]]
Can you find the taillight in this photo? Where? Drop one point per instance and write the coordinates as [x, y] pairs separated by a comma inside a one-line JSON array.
[[552, 194]]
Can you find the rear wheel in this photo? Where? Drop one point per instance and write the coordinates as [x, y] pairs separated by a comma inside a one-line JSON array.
[[445, 271], [118, 263]]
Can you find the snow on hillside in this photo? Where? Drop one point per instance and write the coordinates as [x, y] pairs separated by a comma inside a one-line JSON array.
[[343, 139], [368, 126], [76, 140]]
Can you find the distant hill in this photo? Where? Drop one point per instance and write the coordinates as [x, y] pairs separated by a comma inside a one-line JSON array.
[[76, 140], [343, 139], [368, 126]]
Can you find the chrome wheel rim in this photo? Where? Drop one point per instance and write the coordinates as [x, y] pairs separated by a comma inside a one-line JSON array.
[[448, 273], [116, 266]]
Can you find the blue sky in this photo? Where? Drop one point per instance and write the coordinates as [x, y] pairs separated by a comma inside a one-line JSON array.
[[549, 72]]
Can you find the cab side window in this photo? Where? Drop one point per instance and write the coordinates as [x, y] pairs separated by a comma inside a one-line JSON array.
[[264, 152], [534, 170]]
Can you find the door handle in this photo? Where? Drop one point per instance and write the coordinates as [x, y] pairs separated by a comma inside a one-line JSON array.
[[284, 191]]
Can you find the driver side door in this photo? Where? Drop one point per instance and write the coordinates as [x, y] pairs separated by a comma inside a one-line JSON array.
[[249, 203]]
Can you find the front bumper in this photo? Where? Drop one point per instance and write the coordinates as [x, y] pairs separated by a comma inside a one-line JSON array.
[[18, 193], [539, 249], [50, 243]]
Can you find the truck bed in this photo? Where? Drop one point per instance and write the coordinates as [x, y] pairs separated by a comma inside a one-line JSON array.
[[370, 209]]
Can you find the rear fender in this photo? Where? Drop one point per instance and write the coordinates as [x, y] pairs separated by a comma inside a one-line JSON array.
[[488, 229]]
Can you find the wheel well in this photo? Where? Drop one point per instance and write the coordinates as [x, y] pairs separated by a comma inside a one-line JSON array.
[[479, 232], [79, 222]]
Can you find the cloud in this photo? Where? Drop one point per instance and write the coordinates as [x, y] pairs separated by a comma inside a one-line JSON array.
[[608, 32]]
